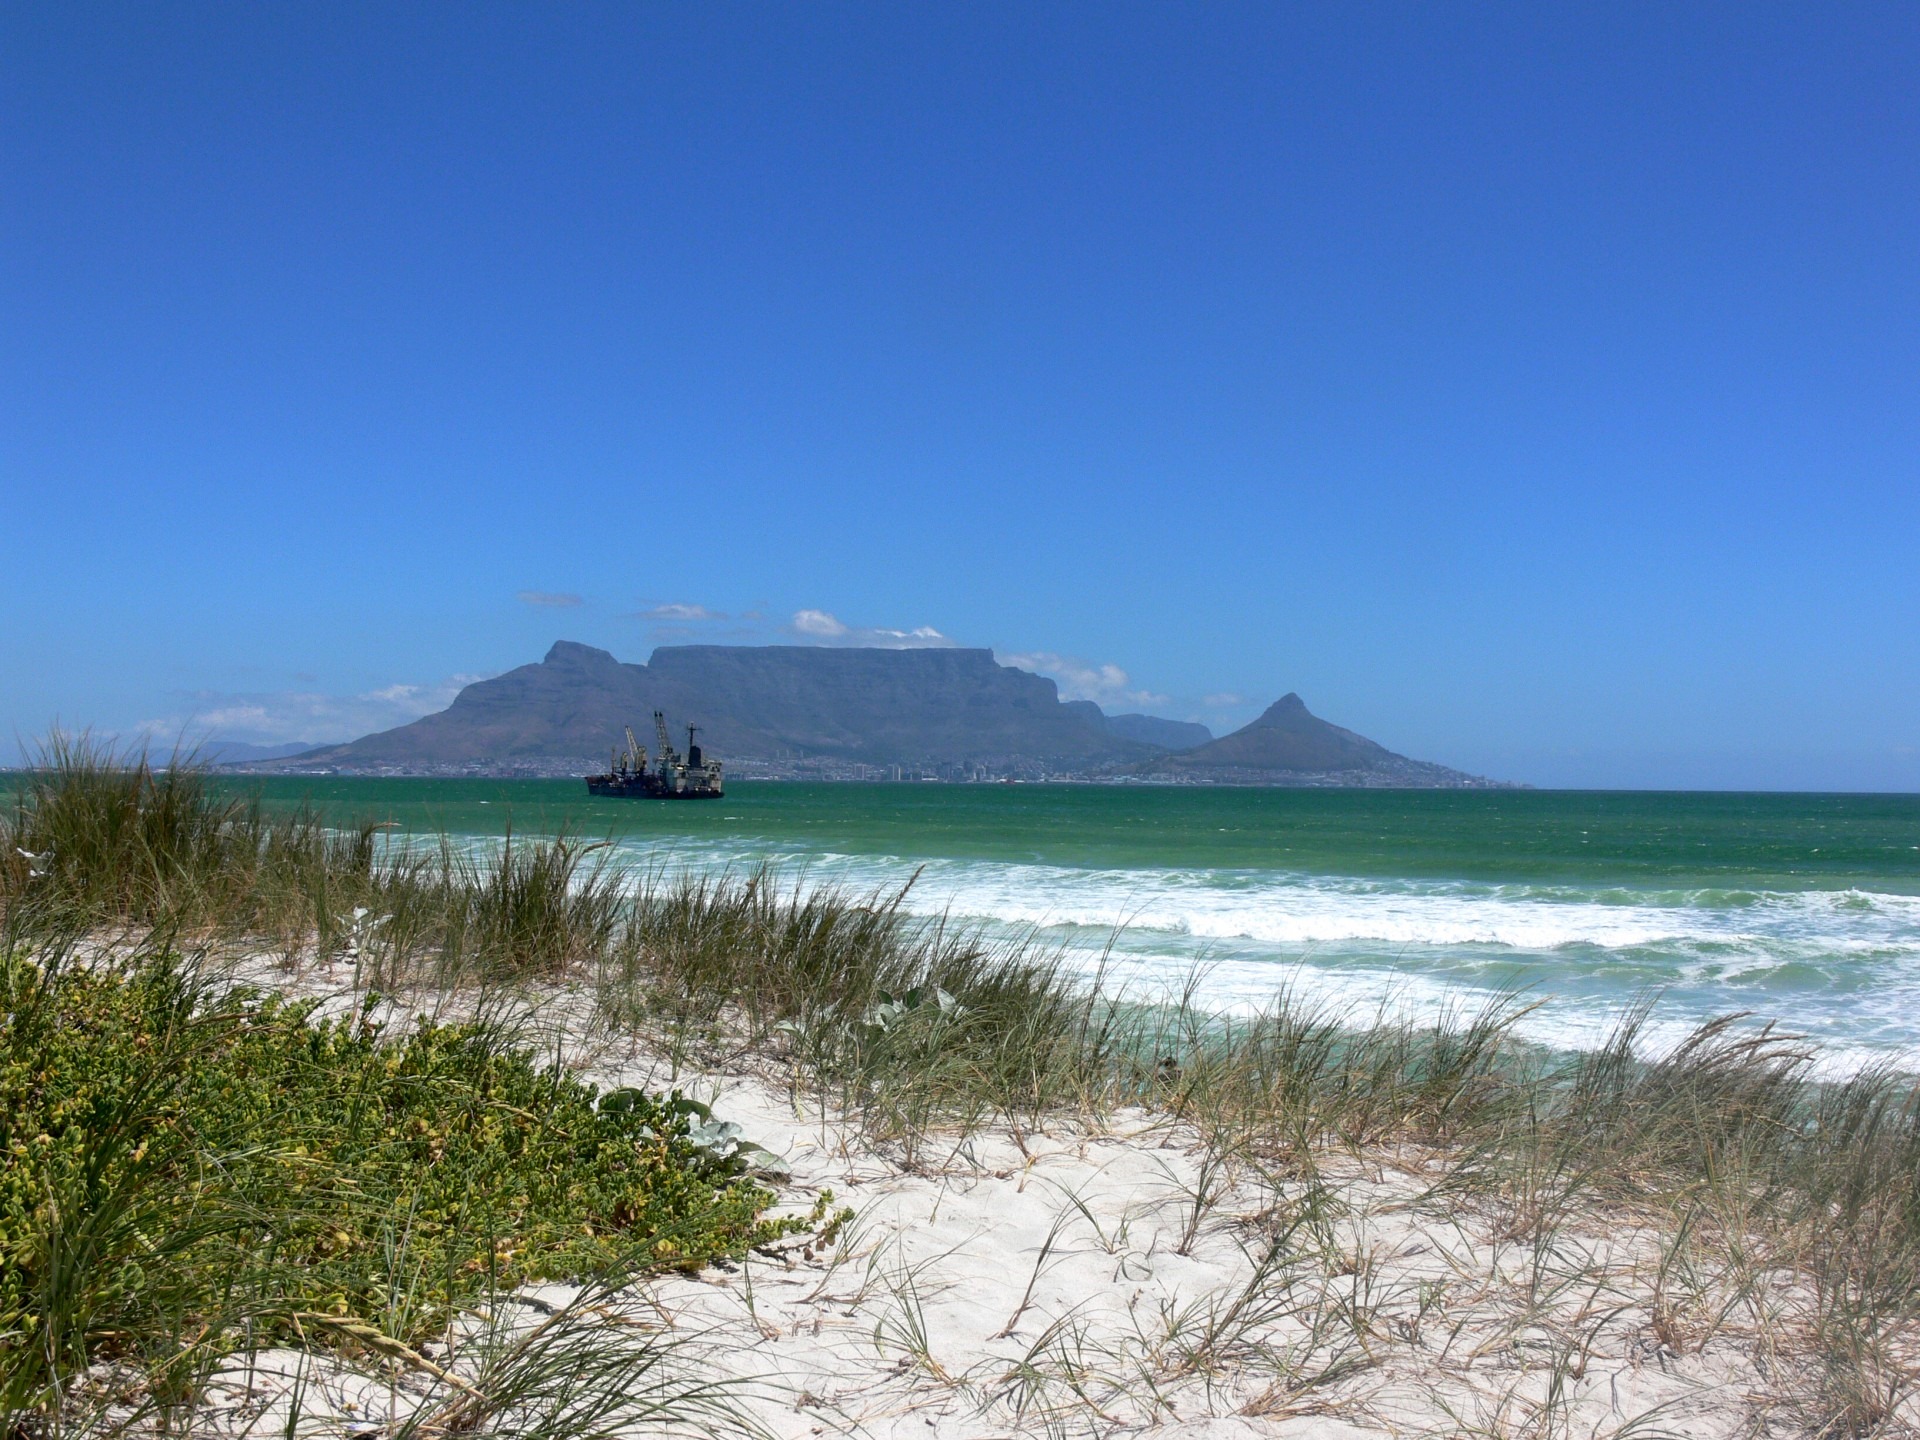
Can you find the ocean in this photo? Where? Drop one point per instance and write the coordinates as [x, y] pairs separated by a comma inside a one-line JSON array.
[[1804, 909]]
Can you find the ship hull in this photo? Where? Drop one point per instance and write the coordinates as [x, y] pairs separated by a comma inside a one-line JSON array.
[[643, 787]]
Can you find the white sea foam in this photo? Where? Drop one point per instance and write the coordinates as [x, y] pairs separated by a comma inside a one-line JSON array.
[[1842, 966]]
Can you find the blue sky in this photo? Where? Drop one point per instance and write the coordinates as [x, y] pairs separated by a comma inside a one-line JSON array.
[[1533, 388]]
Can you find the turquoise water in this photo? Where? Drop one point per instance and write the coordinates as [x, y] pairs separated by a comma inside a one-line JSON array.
[[1802, 908]]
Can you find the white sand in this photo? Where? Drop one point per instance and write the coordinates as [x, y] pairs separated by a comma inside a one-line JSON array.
[[1064, 1285], [1069, 1284]]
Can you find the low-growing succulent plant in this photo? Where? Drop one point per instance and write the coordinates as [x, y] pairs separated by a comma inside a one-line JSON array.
[[180, 1157]]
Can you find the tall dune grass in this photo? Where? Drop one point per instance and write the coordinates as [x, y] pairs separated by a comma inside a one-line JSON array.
[[99, 840]]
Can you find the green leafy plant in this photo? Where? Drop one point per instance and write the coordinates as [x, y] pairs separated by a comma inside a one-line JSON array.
[[185, 1159]]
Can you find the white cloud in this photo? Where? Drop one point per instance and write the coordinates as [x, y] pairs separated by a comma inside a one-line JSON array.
[[680, 614], [822, 628], [1084, 679], [1226, 700], [280, 716], [561, 599], [818, 624]]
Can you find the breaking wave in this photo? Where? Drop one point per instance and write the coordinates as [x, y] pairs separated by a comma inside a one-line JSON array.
[[1841, 966]]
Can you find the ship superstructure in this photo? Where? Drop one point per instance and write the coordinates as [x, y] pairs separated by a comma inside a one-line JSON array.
[[673, 776]]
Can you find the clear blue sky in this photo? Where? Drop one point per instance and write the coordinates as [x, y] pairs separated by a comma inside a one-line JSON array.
[[1533, 388]]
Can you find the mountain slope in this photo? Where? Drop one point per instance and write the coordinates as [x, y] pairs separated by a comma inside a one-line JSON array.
[[242, 752], [1167, 734], [1290, 744], [1289, 737], [1149, 730]]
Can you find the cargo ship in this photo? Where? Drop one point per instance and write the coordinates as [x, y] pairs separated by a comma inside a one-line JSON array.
[[673, 776]]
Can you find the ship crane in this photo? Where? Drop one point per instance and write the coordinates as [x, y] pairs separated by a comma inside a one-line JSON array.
[[674, 776], [631, 763]]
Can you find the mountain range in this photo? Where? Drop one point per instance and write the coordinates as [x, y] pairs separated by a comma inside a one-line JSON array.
[[949, 712]]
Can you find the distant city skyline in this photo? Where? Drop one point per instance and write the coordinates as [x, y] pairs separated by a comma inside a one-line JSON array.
[[1530, 391]]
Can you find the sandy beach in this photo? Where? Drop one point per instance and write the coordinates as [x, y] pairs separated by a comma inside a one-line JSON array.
[[1128, 1277]]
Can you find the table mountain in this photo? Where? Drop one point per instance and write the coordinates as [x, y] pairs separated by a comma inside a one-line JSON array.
[[768, 702], [950, 711]]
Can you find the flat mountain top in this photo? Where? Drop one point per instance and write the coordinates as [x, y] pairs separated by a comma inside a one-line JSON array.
[[769, 702]]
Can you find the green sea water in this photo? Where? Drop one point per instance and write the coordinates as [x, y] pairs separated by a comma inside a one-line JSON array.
[[1739, 841], [1803, 908]]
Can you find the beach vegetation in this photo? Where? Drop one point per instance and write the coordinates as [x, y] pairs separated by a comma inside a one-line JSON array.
[[192, 1165]]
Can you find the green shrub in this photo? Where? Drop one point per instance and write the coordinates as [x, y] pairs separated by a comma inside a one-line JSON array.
[[183, 1161]]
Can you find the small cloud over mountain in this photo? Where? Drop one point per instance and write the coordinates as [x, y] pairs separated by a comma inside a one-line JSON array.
[[818, 627], [679, 614], [1102, 683], [817, 624], [559, 600]]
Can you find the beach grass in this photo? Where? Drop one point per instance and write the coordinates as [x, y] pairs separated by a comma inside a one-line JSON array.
[[1792, 1201]]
